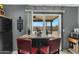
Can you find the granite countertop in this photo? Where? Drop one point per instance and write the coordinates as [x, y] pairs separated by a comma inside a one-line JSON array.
[[28, 37]]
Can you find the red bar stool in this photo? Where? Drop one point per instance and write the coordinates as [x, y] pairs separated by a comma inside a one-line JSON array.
[[44, 50], [54, 46], [34, 50], [24, 46]]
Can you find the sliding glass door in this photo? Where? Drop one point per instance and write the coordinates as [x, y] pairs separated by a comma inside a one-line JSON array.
[[47, 24]]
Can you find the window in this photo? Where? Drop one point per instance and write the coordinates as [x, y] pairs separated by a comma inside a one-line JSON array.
[[47, 24], [38, 23]]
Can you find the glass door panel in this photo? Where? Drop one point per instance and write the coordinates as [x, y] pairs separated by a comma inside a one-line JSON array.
[[48, 27], [55, 28], [52, 26], [37, 25]]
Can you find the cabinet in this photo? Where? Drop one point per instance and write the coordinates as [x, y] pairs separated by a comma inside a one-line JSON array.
[[6, 34], [73, 45]]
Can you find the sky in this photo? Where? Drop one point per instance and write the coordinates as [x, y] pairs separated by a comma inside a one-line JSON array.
[[54, 23]]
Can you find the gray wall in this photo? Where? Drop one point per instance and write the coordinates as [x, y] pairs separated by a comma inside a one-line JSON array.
[[70, 19], [14, 12]]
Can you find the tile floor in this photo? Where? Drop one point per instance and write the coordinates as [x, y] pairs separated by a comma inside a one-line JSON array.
[[65, 52]]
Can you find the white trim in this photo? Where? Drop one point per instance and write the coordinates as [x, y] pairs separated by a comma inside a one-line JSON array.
[[62, 11], [46, 14], [32, 23], [60, 25]]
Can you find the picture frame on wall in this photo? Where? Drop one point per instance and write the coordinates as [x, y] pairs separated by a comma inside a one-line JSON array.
[[20, 24]]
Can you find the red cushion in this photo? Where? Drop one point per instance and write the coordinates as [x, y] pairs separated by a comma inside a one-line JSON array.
[[24, 52], [34, 50], [44, 50]]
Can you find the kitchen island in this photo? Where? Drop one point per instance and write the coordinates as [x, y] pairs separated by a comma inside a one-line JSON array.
[[28, 44]]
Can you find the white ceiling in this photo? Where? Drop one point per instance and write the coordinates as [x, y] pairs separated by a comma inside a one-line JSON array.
[[68, 5]]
